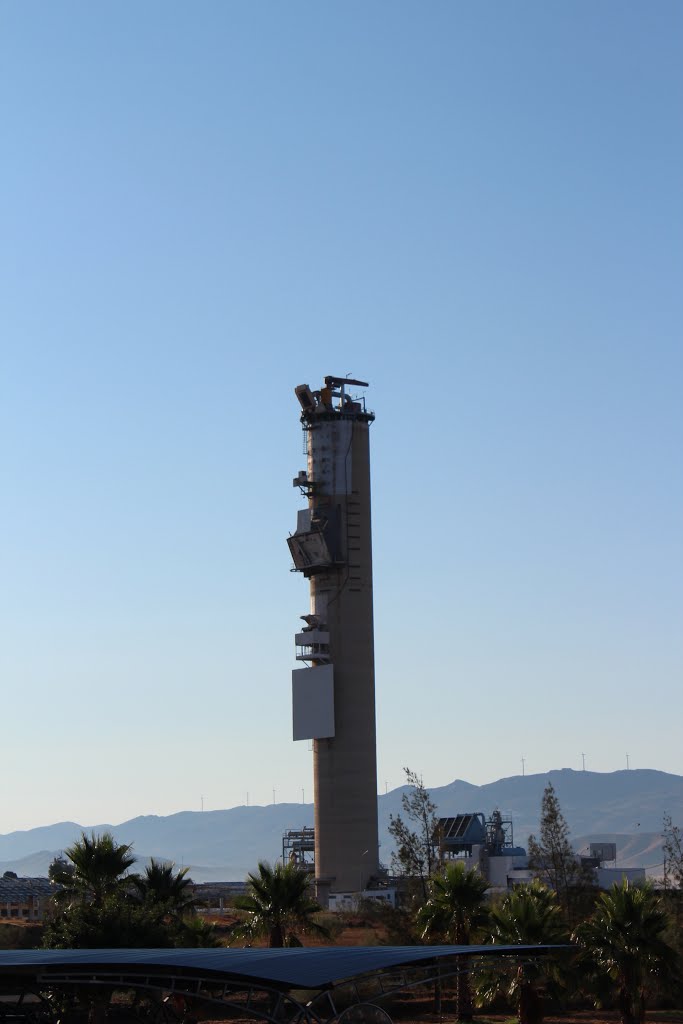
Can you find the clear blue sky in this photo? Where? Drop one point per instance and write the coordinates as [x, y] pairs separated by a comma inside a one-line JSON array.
[[476, 207]]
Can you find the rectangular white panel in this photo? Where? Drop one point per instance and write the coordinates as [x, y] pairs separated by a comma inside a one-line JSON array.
[[313, 702]]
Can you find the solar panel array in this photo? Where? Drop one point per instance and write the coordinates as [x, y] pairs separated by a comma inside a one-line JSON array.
[[20, 890], [464, 826]]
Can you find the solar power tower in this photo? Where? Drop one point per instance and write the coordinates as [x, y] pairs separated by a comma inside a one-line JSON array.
[[334, 695]]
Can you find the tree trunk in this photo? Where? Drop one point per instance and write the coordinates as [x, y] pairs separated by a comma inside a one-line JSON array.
[[628, 1009], [437, 992], [530, 1006], [276, 939], [464, 1010], [98, 1009]]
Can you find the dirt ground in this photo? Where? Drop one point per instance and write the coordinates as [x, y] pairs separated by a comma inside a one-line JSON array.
[[570, 1017], [576, 1017], [591, 1017]]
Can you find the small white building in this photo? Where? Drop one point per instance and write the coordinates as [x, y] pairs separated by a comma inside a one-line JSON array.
[[607, 877]]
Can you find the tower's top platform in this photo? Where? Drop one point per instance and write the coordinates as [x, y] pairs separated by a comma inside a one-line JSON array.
[[333, 401]]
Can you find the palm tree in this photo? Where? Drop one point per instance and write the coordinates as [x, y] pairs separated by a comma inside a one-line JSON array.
[[529, 915], [455, 909], [167, 891], [93, 907], [623, 946], [279, 905], [100, 867], [100, 904]]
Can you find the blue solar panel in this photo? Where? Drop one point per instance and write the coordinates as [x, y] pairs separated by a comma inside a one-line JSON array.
[[307, 967]]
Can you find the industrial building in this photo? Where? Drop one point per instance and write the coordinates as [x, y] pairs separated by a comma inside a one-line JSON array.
[[333, 695], [298, 847], [602, 858], [24, 899], [487, 844]]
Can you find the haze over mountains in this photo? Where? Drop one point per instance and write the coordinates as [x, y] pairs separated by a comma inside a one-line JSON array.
[[625, 807]]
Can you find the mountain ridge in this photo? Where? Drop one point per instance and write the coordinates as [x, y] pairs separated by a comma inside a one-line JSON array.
[[231, 841]]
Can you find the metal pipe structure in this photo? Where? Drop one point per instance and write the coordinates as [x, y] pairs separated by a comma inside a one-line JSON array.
[[334, 696]]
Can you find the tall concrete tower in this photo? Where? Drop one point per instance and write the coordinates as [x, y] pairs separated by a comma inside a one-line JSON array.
[[334, 696]]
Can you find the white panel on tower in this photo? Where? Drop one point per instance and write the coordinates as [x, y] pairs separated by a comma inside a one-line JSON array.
[[313, 702]]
